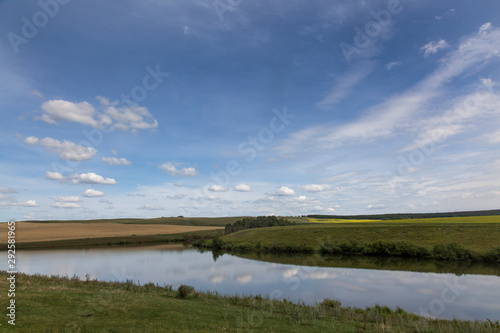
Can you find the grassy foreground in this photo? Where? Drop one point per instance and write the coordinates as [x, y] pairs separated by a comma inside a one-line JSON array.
[[62, 304]]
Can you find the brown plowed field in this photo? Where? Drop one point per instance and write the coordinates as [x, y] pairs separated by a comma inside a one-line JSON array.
[[40, 232]]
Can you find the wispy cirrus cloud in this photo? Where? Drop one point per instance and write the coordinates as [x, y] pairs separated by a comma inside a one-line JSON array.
[[434, 46], [346, 82], [382, 120]]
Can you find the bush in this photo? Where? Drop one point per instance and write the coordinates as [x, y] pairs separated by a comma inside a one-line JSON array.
[[331, 303], [184, 291], [452, 252]]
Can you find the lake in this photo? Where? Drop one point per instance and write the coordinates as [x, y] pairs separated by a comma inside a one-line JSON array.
[[464, 297]]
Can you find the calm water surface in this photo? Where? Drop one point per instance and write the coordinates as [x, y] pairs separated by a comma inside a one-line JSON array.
[[465, 297]]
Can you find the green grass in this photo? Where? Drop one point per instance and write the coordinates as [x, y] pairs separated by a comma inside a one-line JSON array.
[[55, 304], [476, 233]]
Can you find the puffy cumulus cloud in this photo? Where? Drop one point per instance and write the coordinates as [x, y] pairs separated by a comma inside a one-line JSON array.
[[89, 193], [284, 191], [69, 199], [303, 198], [54, 176], [173, 171], [67, 205], [217, 188], [317, 187], [322, 209], [91, 178], [66, 150], [243, 188], [116, 161], [112, 115], [151, 207], [128, 117], [434, 47], [375, 206], [58, 110]]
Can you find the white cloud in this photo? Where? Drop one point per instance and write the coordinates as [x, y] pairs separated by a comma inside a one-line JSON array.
[[217, 188], [54, 176], [7, 190], [346, 82], [130, 117], [59, 110], [151, 207], [177, 196], [29, 203], [179, 184], [243, 188], [434, 47], [28, 216], [67, 205], [173, 171], [89, 193], [302, 198], [91, 178], [392, 64], [453, 121], [69, 199], [115, 116], [244, 278], [382, 120], [284, 191], [376, 206], [317, 187], [494, 137], [36, 93], [116, 161], [66, 150]]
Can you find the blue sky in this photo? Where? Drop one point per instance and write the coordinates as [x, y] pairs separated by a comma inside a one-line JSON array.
[[215, 108]]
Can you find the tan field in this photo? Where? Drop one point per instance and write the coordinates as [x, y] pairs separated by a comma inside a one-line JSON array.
[[41, 232]]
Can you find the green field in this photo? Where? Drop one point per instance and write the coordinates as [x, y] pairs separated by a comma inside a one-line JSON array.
[[475, 233], [53, 304]]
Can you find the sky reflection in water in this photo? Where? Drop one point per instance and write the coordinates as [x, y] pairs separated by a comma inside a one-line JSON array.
[[466, 297]]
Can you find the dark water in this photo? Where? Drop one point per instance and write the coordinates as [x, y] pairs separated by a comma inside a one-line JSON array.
[[442, 295]]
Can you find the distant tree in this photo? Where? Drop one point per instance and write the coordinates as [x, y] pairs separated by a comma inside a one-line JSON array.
[[256, 222]]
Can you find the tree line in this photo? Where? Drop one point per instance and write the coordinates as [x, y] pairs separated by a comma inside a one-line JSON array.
[[256, 222]]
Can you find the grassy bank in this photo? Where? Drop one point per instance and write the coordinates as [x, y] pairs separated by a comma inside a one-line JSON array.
[[449, 239], [54, 304]]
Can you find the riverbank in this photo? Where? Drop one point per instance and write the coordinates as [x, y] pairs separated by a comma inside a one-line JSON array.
[[456, 239], [51, 304]]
